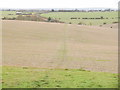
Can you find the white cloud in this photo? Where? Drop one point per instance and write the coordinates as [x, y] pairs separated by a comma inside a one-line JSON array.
[[58, 3]]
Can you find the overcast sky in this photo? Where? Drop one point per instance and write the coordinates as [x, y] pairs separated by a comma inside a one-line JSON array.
[[59, 3]]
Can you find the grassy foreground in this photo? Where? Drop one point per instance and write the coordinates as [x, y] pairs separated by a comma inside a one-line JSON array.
[[24, 77]]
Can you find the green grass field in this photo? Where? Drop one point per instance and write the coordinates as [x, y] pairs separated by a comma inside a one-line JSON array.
[[66, 17], [13, 14], [25, 77], [6, 14]]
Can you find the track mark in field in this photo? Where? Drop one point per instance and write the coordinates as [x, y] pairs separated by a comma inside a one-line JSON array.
[[62, 53]]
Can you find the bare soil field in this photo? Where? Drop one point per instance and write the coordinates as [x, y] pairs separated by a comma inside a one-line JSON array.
[[114, 26], [51, 45]]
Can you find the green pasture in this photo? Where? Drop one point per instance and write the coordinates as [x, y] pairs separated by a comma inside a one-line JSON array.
[[7, 14], [11, 14], [66, 17], [27, 77]]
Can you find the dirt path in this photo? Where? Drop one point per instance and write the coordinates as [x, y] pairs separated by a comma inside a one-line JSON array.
[[50, 45]]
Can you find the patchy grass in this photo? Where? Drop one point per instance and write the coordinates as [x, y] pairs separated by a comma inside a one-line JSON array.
[[110, 17], [103, 60], [27, 77]]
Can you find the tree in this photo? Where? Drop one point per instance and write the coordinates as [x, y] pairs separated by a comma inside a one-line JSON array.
[[52, 10], [102, 17], [49, 19]]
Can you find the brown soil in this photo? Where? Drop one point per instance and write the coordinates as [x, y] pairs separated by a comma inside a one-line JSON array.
[[51, 45]]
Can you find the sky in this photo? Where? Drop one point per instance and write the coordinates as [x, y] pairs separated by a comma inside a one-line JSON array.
[[59, 4]]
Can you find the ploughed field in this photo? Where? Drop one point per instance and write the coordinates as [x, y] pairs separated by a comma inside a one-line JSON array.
[[49, 45], [61, 49]]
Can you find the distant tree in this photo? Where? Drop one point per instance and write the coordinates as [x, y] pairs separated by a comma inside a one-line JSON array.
[[70, 23], [49, 19], [52, 10], [104, 23], [76, 10], [102, 17]]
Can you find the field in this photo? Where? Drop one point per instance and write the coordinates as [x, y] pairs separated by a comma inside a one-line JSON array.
[[6, 14], [41, 54], [17, 77], [11, 14], [110, 17]]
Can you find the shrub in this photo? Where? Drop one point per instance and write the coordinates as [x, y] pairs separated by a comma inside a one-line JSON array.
[[80, 23], [102, 17], [81, 69], [4, 18], [104, 23], [114, 22], [13, 18], [66, 69], [49, 19]]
